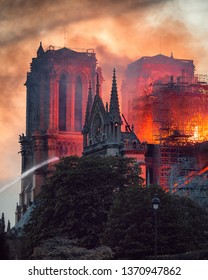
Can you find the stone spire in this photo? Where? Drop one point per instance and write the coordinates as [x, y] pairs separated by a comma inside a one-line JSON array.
[[2, 224], [40, 50], [97, 85], [89, 104], [8, 226], [114, 111]]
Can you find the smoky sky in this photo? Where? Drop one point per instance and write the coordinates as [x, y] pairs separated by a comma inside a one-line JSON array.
[[21, 18]]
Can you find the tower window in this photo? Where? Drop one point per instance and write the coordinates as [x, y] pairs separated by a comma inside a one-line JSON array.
[[78, 104], [62, 103]]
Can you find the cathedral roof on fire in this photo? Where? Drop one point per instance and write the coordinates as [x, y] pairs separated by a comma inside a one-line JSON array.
[[159, 58]]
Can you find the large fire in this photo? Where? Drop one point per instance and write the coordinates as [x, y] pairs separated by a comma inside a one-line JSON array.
[[164, 96], [173, 107], [167, 103]]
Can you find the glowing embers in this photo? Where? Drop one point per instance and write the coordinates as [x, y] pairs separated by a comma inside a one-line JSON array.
[[157, 117], [195, 136]]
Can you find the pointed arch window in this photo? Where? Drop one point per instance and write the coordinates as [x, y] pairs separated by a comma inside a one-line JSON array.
[[78, 104], [62, 102]]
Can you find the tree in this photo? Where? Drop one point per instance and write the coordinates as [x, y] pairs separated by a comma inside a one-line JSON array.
[[102, 202], [3, 247], [59, 248], [129, 232], [75, 201], [3, 244]]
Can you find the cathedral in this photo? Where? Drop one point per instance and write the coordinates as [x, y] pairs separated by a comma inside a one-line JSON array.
[[102, 134], [56, 98], [65, 115]]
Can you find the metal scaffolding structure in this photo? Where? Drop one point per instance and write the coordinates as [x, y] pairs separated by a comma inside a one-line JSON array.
[[170, 157], [175, 103], [195, 186], [175, 116], [180, 104]]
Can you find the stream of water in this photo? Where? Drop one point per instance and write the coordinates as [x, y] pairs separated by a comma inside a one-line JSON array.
[[39, 165]]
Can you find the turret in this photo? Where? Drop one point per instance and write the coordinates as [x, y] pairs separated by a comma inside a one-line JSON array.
[[87, 115], [98, 86], [3, 221], [18, 213], [114, 111], [2, 224], [40, 50], [89, 104], [8, 226]]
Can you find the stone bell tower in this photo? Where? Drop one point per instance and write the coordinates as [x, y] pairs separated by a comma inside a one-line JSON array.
[[57, 89]]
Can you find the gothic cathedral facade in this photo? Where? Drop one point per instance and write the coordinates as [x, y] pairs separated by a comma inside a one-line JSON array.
[[65, 115], [102, 133], [57, 87]]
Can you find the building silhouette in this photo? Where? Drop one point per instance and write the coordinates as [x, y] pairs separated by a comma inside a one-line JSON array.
[[102, 132], [141, 74], [162, 96], [57, 89]]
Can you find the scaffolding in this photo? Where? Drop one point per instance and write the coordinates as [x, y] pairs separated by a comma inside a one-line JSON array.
[[194, 185], [179, 171], [175, 103], [180, 104], [180, 120], [174, 116], [169, 158]]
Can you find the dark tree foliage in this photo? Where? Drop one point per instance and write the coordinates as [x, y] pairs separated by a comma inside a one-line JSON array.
[[99, 201], [3, 247], [75, 201], [182, 225]]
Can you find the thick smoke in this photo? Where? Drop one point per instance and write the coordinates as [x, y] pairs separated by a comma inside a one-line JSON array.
[[28, 18]]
